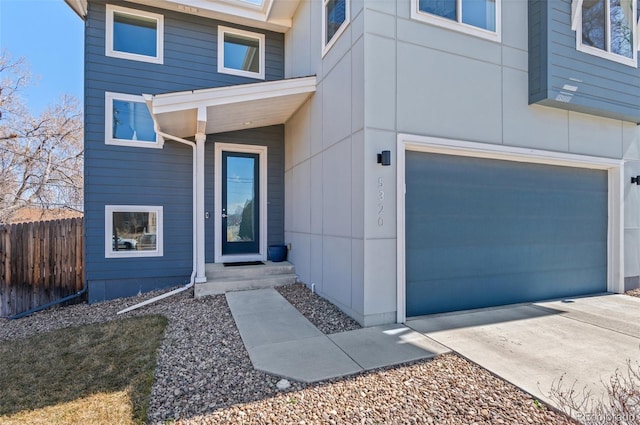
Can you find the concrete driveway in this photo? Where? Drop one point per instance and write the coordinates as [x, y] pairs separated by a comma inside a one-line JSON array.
[[533, 345]]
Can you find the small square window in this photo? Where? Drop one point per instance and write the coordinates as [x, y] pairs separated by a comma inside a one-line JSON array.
[[240, 53], [133, 34], [607, 28], [335, 18], [128, 122], [133, 231], [480, 18]]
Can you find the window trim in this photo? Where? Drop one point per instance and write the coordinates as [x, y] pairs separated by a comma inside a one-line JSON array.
[[327, 45], [108, 232], [109, 97], [438, 21], [109, 50], [576, 25], [222, 30]]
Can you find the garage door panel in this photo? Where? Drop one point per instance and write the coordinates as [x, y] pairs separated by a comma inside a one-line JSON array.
[[492, 232], [537, 201], [482, 173], [445, 295], [470, 261], [460, 230]]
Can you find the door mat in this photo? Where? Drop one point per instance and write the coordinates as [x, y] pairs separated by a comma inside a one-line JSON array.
[[244, 263]]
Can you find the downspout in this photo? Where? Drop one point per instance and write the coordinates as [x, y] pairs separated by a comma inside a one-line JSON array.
[[51, 304], [194, 230]]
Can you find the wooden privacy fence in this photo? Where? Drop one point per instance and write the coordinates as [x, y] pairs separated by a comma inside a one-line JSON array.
[[40, 262]]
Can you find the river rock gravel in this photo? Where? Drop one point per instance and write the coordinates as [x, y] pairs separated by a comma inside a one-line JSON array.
[[324, 315], [204, 374], [634, 292]]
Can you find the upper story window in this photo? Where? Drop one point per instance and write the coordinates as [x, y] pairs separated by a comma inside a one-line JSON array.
[[128, 122], [240, 52], [335, 19], [607, 28], [134, 34], [480, 18]]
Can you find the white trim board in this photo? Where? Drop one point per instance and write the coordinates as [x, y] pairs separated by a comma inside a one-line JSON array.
[[615, 233], [108, 231], [109, 38], [109, 139], [222, 31], [328, 44], [460, 26], [217, 210]]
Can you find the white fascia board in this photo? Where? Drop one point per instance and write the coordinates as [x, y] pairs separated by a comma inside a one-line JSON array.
[[78, 6], [224, 7], [179, 101], [249, 15], [509, 153]]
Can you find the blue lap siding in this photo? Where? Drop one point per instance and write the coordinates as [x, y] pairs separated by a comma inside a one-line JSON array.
[[118, 175], [563, 77]]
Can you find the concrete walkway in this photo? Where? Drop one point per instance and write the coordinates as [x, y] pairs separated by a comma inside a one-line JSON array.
[[533, 345], [281, 341]]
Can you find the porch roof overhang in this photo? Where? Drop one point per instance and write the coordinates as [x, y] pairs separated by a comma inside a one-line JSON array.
[[223, 109]]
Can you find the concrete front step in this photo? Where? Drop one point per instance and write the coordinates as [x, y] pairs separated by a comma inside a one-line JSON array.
[[221, 278], [220, 271], [222, 285]]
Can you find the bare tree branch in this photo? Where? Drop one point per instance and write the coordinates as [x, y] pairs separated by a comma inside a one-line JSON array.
[[41, 157]]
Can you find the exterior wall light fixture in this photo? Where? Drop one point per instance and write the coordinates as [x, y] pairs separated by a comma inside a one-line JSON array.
[[384, 158], [635, 180]]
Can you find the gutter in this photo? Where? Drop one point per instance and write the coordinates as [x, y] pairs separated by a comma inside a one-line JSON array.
[[194, 230]]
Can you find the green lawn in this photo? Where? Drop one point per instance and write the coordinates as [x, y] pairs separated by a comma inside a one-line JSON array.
[[99, 374]]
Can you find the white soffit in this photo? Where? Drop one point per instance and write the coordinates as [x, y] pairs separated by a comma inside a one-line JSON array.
[[231, 108], [273, 15]]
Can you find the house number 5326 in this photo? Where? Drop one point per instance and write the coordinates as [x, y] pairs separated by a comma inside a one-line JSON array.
[[380, 201]]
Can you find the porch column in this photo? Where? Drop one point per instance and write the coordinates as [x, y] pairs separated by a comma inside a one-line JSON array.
[[200, 270]]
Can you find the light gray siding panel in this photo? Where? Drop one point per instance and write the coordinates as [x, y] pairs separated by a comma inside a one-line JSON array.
[[602, 87], [116, 175]]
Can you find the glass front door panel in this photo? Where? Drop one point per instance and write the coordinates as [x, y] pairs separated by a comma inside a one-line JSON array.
[[240, 220]]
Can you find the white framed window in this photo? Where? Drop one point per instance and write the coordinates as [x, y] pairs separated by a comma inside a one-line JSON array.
[[335, 19], [133, 231], [128, 122], [480, 18], [607, 28], [241, 52], [134, 34]]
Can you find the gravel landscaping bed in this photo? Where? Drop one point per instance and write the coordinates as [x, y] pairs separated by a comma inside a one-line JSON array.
[[204, 375], [634, 292], [325, 316]]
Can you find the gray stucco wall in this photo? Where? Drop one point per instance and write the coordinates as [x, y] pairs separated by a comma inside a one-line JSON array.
[[324, 148], [117, 175], [390, 74]]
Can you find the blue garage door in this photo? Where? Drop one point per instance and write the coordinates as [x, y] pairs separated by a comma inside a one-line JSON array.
[[482, 232]]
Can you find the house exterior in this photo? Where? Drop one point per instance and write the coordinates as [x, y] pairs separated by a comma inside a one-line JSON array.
[[416, 156]]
